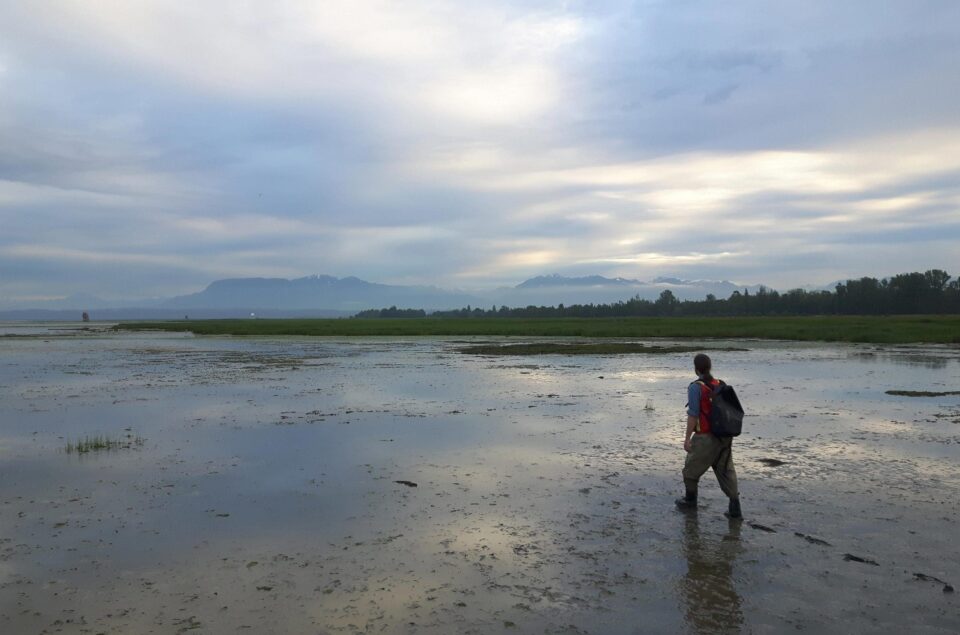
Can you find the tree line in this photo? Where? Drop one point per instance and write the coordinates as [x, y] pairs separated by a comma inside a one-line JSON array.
[[392, 312], [932, 292]]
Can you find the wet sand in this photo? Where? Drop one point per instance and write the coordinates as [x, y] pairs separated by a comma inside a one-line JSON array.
[[265, 497]]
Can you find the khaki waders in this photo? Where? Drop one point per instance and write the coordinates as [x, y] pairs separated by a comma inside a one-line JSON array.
[[706, 451]]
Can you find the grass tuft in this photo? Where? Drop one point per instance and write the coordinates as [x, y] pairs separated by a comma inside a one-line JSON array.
[[99, 443]]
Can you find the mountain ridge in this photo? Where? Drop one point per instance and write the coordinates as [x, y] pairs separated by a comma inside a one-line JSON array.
[[321, 292], [316, 292]]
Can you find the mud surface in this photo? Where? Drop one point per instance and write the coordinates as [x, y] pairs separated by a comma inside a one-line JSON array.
[[274, 492]]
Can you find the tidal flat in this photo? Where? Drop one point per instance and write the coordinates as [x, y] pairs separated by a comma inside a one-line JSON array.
[[398, 485]]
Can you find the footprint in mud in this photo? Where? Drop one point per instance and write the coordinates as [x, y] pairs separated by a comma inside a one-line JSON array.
[[771, 462], [849, 557], [812, 539], [947, 588], [756, 525]]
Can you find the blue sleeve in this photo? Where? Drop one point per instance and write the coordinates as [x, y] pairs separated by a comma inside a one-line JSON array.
[[693, 400]]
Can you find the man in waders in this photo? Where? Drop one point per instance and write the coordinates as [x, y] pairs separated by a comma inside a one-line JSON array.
[[704, 450]]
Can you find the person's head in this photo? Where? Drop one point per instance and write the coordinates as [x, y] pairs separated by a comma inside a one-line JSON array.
[[701, 363]]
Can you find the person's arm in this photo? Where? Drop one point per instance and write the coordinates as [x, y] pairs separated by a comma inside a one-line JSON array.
[[691, 428], [693, 413]]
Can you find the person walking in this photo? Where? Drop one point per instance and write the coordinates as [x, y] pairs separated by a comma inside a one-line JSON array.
[[705, 450]]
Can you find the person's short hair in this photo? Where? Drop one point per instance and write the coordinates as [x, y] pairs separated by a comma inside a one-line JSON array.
[[702, 363]]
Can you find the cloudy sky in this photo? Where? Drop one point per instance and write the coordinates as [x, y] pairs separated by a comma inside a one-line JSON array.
[[148, 148]]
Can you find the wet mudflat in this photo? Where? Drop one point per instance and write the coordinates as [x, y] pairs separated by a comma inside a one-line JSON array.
[[297, 485]]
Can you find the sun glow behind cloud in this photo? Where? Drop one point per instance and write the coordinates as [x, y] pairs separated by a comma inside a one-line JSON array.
[[473, 143], [648, 203], [472, 63]]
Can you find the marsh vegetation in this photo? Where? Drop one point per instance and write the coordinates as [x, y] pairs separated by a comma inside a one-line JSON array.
[[104, 443], [866, 329]]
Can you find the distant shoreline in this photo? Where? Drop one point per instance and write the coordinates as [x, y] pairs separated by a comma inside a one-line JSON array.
[[930, 329]]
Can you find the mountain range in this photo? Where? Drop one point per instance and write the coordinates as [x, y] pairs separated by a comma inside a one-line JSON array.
[[316, 292], [328, 296]]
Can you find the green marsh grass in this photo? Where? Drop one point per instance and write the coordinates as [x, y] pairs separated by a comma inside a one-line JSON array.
[[102, 443], [869, 329]]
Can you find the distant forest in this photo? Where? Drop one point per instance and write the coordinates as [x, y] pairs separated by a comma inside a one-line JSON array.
[[907, 293]]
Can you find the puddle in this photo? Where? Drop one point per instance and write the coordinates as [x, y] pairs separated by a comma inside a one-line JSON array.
[[271, 492]]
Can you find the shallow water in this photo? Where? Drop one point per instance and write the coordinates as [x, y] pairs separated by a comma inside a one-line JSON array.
[[264, 496]]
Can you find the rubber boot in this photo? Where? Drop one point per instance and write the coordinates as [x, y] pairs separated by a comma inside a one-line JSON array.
[[689, 501], [733, 512]]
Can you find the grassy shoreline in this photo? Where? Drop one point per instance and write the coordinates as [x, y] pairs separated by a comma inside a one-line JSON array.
[[943, 329]]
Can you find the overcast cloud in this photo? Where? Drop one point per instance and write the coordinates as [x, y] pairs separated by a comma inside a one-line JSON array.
[[148, 148]]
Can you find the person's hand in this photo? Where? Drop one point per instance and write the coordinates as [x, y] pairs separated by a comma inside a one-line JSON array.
[[686, 445]]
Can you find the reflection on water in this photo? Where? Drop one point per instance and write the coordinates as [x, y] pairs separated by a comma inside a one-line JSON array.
[[708, 593], [933, 357]]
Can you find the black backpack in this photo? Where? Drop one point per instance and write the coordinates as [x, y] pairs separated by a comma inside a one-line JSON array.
[[726, 413]]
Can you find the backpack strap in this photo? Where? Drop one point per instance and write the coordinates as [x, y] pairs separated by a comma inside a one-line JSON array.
[[703, 383], [709, 396]]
